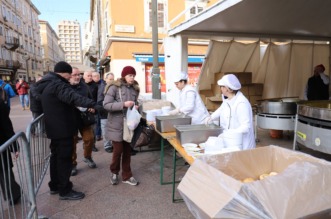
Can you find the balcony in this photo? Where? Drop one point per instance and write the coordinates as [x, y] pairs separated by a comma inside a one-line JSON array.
[[13, 64], [11, 43]]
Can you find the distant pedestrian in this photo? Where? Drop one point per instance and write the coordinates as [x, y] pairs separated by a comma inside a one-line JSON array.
[[86, 131], [122, 94], [93, 87], [58, 101], [108, 79], [23, 91], [10, 189], [9, 92]]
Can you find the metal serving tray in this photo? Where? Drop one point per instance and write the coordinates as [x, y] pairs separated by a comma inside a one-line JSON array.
[[166, 123], [196, 133]]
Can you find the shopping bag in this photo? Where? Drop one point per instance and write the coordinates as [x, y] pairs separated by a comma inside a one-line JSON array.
[[132, 118], [127, 133]]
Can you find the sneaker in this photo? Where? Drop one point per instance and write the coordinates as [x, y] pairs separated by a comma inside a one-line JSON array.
[[94, 149], [74, 171], [72, 195], [89, 162], [114, 179], [109, 150], [132, 181]]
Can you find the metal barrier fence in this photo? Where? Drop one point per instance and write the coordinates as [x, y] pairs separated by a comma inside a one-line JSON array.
[[20, 183], [17, 197]]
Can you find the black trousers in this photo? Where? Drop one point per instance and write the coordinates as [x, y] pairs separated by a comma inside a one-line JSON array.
[[10, 189], [61, 165]]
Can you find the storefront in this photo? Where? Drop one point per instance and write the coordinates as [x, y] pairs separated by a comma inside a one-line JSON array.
[[194, 68]]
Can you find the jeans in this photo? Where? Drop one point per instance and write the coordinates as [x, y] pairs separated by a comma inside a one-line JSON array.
[[88, 142], [24, 98], [106, 143], [61, 165]]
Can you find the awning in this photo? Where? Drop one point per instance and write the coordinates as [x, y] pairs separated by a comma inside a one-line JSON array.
[[6, 72], [277, 19], [149, 58]]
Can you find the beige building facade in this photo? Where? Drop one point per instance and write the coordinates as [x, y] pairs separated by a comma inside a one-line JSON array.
[[69, 33], [52, 51], [123, 32], [20, 53]]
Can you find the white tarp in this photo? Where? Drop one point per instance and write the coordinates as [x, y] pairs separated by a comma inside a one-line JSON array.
[[284, 69]]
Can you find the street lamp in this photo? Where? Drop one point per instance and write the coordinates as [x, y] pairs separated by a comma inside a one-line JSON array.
[[26, 57]]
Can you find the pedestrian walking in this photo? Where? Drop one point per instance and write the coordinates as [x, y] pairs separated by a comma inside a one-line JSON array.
[[22, 89], [58, 101], [122, 94], [97, 130]]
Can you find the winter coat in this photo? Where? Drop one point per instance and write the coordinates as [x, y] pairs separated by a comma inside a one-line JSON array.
[[83, 90], [236, 115], [93, 89], [115, 106], [7, 131], [22, 88], [191, 105], [59, 101], [101, 96], [35, 103]]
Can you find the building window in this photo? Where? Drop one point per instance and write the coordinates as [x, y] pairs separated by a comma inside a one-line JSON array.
[[161, 15]]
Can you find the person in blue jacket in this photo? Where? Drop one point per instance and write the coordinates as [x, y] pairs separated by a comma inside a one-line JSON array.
[[9, 91]]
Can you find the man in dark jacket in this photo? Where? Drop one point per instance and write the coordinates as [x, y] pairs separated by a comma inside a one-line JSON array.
[[86, 131], [93, 87], [58, 101], [10, 189], [35, 105]]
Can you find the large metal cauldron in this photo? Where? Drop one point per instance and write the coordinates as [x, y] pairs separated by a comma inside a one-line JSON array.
[[314, 125], [279, 106]]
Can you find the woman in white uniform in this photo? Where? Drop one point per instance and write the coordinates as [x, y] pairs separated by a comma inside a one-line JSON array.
[[190, 102], [235, 113]]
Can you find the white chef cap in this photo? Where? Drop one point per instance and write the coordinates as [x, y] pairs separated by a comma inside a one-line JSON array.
[[180, 76], [230, 81]]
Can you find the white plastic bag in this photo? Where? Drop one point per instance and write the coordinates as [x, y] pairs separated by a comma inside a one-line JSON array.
[[132, 118]]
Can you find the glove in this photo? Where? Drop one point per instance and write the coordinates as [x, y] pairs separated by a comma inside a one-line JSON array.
[[207, 120], [174, 112]]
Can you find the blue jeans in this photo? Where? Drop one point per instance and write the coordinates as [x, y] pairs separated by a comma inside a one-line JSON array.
[[24, 98], [106, 143]]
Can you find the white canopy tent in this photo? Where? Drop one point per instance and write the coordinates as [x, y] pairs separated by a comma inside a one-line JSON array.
[[283, 67]]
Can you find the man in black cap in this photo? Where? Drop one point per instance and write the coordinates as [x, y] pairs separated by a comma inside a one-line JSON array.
[[58, 101]]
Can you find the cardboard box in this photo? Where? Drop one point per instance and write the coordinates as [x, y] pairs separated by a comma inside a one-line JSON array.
[[204, 94], [244, 90], [216, 90], [212, 186], [254, 99], [218, 76], [212, 104], [155, 104], [243, 77], [255, 89]]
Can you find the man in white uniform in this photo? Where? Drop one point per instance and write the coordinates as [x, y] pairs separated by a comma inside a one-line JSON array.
[[190, 102], [235, 113]]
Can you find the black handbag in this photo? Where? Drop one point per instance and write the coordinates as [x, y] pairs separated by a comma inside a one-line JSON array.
[[87, 118], [142, 134]]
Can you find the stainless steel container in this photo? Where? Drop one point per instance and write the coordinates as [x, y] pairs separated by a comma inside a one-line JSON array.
[[196, 133], [320, 109], [281, 106], [166, 123]]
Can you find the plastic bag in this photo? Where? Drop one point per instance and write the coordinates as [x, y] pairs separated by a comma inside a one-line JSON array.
[[132, 118]]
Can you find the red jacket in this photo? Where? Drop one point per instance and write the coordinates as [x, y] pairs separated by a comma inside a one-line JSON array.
[[22, 88]]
